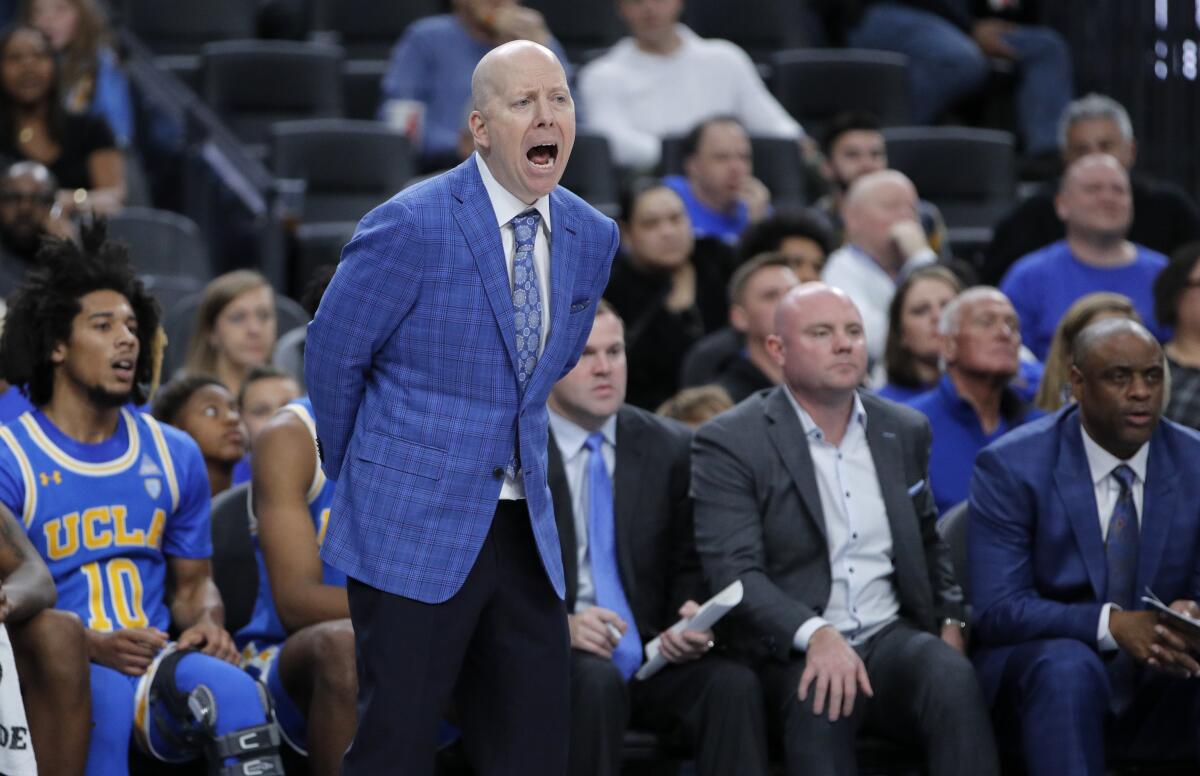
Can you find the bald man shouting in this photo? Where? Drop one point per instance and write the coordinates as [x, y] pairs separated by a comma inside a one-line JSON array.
[[816, 496], [884, 242], [456, 307]]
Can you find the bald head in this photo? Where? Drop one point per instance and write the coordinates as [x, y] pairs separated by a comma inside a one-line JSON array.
[[802, 297], [873, 206], [875, 185], [1096, 336], [489, 78], [819, 344]]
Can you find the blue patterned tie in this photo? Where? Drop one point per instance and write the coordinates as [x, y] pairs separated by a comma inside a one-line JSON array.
[[1121, 550], [527, 299], [602, 549]]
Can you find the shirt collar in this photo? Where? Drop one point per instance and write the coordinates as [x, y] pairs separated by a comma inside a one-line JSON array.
[[811, 429], [1101, 462], [504, 203], [571, 436]]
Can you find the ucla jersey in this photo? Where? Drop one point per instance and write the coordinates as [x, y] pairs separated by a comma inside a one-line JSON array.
[[106, 516], [265, 628]]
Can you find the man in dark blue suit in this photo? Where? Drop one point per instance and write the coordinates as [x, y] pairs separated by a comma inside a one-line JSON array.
[[456, 307], [1072, 518]]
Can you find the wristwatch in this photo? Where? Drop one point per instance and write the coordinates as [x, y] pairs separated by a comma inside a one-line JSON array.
[[951, 621]]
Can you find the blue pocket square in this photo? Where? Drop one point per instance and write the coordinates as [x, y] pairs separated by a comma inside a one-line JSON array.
[[915, 489]]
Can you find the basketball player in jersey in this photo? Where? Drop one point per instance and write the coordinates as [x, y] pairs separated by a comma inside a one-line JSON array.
[[118, 507], [299, 641]]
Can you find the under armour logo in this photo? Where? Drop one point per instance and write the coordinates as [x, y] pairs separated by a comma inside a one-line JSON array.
[[55, 477]]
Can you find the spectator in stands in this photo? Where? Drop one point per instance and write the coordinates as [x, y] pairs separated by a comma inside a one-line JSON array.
[[1055, 389], [1164, 217], [668, 285], [1072, 520], [433, 61], [264, 391], [972, 405], [854, 146], [800, 236], [696, 406], [912, 353], [664, 80], [619, 479], [1177, 305], [816, 496], [299, 641], [92, 79], [78, 148], [1096, 207], [884, 242], [235, 328], [718, 185], [204, 409], [948, 44], [27, 214], [754, 293]]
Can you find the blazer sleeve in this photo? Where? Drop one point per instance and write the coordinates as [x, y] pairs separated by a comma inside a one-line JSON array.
[[729, 536], [376, 284], [947, 595], [599, 281], [1007, 606], [687, 580]]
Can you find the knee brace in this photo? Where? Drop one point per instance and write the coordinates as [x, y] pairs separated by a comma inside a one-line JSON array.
[[190, 724]]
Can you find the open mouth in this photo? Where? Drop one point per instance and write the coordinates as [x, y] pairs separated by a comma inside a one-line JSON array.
[[123, 368], [543, 156]]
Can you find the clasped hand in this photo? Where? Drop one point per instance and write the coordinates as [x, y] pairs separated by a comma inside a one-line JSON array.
[[1158, 640]]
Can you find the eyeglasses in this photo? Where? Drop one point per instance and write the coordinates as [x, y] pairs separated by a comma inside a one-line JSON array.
[[17, 197]]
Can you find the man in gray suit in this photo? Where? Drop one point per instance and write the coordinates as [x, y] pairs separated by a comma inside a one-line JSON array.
[[816, 496]]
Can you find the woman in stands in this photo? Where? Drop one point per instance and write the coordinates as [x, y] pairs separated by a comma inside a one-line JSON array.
[[911, 353], [205, 410], [235, 328], [1177, 304], [92, 79], [78, 148], [1055, 390]]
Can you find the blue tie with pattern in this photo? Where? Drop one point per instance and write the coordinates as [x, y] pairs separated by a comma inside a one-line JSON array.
[[1121, 550], [527, 299], [602, 550]]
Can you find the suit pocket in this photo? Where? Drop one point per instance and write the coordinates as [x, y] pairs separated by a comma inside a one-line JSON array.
[[579, 305], [402, 454]]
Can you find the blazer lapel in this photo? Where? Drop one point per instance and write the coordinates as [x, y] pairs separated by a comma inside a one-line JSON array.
[[563, 263], [787, 434], [627, 483], [1073, 481], [475, 216], [1158, 509], [888, 458], [564, 517]]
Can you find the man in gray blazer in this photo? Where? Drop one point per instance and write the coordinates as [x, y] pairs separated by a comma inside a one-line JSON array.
[[816, 496]]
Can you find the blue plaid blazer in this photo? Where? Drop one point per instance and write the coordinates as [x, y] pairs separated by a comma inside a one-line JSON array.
[[411, 366]]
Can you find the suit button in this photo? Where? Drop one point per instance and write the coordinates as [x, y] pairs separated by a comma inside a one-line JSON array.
[[498, 472]]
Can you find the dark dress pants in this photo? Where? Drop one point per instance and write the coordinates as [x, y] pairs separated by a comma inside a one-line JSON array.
[[925, 693], [498, 649]]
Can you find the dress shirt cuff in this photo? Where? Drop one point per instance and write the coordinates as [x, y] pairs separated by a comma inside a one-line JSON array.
[[1104, 638], [805, 632]]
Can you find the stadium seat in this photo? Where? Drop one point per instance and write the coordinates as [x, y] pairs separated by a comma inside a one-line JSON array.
[[970, 174], [591, 175], [777, 163], [184, 28], [369, 28], [584, 27], [252, 84], [952, 527], [318, 244], [162, 243], [350, 166], [815, 85], [758, 26], [289, 352], [180, 320], [361, 87], [235, 570]]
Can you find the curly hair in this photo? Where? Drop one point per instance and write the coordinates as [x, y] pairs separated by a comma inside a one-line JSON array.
[[172, 397], [41, 312]]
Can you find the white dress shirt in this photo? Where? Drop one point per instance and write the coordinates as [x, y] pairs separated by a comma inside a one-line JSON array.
[[1107, 490], [862, 595], [636, 98], [871, 289], [571, 440], [506, 207]]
